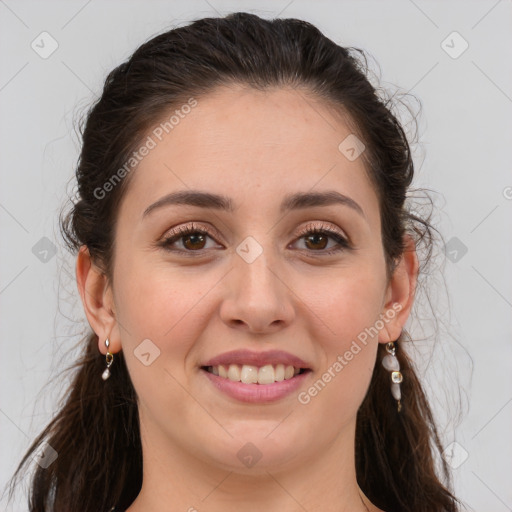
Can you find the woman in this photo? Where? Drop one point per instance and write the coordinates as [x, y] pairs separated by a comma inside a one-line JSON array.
[[247, 265]]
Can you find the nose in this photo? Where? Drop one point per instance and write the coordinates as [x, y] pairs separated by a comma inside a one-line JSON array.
[[257, 300]]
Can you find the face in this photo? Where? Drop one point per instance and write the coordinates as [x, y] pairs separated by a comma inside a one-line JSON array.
[[263, 281]]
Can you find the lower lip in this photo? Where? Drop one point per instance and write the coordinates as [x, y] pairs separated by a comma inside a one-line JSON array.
[[257, 393]]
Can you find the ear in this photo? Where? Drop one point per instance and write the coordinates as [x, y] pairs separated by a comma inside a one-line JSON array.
[[97, 300], [400, 293]]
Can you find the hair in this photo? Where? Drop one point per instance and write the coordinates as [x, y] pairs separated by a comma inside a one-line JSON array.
[[96, 431]]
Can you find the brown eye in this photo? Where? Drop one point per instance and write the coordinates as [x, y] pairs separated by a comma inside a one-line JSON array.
[[191, 239], [316, 241], [194, 241]]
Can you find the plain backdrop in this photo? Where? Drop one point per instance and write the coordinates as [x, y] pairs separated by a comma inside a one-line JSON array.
[[454, 57]]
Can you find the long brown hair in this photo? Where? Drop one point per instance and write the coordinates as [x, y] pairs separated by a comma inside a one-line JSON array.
[[96, 432]]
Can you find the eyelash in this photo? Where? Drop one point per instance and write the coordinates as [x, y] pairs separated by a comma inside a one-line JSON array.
[[183, 231]]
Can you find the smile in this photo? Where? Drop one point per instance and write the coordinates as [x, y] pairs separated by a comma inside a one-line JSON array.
[[250, 374]]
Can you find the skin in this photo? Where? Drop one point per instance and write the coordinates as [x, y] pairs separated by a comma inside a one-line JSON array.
[[254, 147]]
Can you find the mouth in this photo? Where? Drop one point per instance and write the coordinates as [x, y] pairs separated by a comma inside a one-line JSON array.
[[251, 374], [256, 377]]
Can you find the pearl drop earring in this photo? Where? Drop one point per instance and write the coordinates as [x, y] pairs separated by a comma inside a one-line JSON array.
[[109, 358], [391, 363]]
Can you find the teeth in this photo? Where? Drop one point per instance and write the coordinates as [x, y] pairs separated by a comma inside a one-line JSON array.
[[266, 374], [234, 372], [249, 374]]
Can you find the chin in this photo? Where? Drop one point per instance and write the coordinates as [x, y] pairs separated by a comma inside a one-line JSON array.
[[256, 448]]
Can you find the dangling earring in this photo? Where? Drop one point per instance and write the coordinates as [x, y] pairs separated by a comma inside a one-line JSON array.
[[391, 363], [109, 357]]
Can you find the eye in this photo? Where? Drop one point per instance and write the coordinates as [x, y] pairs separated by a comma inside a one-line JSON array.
[[192, 238], [316, 239]]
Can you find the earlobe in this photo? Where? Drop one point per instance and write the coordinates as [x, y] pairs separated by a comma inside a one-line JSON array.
[[400, 293], [97, 300]]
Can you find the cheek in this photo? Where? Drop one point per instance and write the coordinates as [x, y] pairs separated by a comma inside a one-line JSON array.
[[349, 348], [156, 301], [155, 304], [161, 306], [349, 305], [349, 311]]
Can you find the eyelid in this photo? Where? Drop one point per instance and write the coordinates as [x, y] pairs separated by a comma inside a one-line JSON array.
[[190, 227], [323, 227]]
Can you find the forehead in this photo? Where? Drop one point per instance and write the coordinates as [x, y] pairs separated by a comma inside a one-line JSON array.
[[252, 145]]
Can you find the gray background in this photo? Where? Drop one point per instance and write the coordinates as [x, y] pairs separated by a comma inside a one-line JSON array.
[[464, 155]]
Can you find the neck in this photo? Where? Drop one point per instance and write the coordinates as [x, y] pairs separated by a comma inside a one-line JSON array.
[[175, 480]]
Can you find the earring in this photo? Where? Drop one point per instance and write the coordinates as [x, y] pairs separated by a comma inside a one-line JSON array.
[[391, 363], [109, 357]]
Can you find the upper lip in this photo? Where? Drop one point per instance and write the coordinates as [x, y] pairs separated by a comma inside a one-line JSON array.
[[259, 359]]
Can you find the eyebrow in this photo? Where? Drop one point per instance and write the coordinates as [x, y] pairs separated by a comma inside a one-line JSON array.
[[297, 201]]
